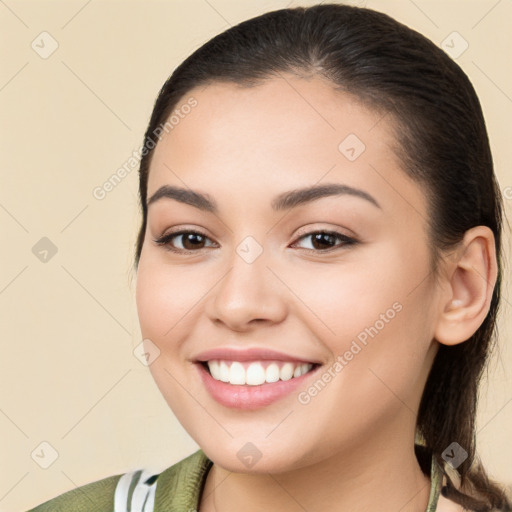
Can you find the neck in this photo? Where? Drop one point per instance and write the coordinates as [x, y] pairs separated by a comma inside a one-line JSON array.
[[381, 474]]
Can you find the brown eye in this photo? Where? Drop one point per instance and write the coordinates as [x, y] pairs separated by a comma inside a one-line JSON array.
[[322, 241], [191, 241], [187, 241]]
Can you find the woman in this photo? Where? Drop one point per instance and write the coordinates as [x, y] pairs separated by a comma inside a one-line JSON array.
[[318, 272]]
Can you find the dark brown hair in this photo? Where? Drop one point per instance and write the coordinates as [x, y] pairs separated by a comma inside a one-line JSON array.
[[441, 140]]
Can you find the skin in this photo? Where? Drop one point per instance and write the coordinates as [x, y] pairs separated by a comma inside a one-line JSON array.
[[352, 444]]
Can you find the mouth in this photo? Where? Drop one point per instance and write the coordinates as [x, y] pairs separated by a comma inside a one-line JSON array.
[[251, 383], [255, 373]]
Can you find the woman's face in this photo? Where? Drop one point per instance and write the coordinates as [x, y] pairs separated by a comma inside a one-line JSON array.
[[261, 292]]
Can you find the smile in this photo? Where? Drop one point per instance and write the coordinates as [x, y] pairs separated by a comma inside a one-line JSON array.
[[256, 373], [252, 379]]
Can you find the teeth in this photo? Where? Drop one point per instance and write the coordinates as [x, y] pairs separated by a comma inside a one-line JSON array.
[[214, 369], [223, 371], [272, 373], [301, 370], [286, 372], [255, 373], [236, 374]]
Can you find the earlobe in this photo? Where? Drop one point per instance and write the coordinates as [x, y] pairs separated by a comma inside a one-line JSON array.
[[471, 275]]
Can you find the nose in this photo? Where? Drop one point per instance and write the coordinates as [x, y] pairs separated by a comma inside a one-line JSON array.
[[249, 294]]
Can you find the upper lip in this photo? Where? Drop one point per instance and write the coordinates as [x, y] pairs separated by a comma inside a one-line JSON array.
[[249, 354]]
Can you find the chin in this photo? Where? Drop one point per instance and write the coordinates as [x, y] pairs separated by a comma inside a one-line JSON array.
[[243, 456]]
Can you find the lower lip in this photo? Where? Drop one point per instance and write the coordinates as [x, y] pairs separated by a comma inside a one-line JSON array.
[[250, 397]]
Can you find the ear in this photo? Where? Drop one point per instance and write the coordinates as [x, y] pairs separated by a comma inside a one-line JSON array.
[[471, 274]]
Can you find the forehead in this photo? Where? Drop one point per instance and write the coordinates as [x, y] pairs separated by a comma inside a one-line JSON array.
[[289, 106], [284, 131]]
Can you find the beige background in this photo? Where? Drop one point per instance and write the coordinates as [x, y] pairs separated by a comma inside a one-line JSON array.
[[69, 325]]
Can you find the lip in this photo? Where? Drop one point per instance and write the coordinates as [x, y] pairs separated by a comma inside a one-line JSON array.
[[248, 397], [250, 354]]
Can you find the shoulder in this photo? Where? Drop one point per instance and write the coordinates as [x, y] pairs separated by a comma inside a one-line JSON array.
[[93, 497], [179, 487], [136, 490]]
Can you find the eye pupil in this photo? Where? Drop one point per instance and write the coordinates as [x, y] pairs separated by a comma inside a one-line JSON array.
[[321, 237], [195, 238]]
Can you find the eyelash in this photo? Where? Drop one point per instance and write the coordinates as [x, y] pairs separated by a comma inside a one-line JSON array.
[[165, 240]]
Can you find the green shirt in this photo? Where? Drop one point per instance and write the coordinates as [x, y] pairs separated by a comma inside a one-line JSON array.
[[179, 490]]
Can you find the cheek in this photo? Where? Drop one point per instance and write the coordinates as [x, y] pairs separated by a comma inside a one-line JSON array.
[[165, 295], [389, 331], [343, 299], [374, 312]]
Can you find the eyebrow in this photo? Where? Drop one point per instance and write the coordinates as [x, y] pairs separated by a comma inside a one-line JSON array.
[[284, 201]]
